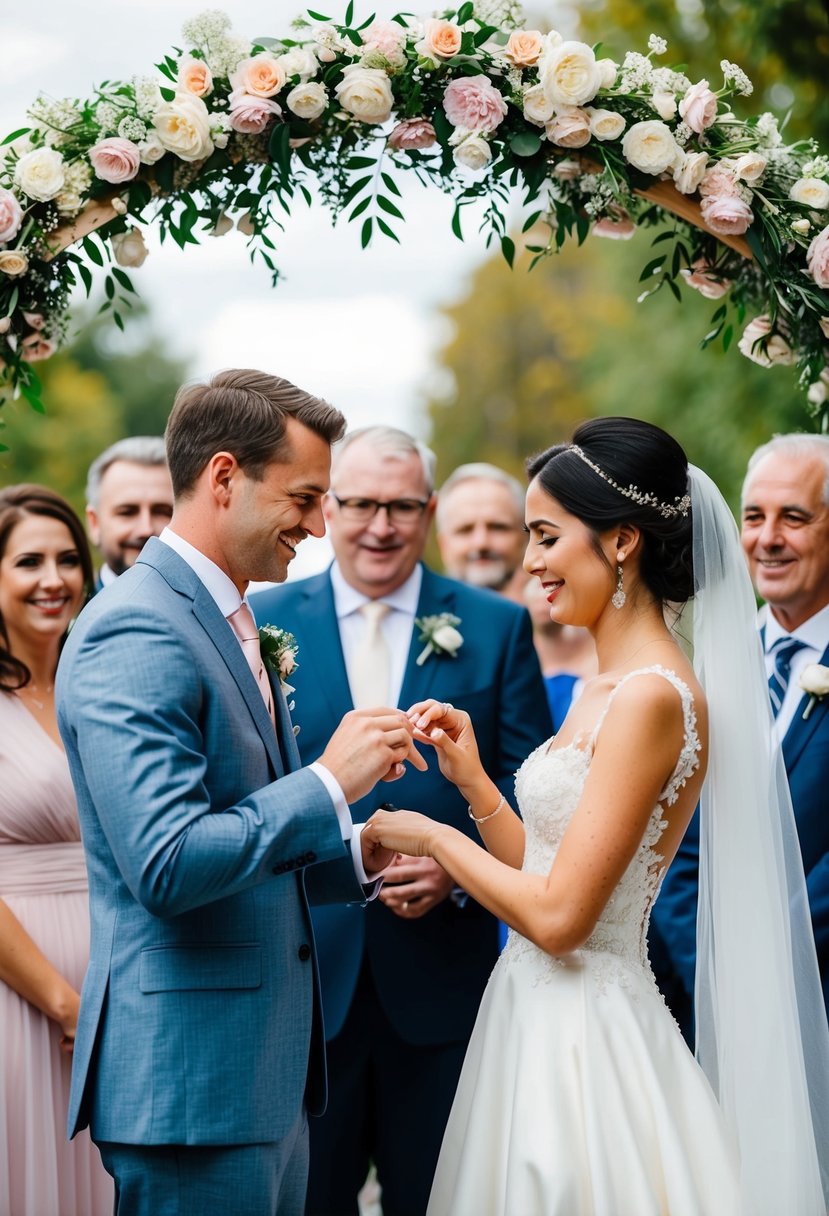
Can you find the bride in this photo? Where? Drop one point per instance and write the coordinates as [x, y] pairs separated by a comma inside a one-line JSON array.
[[578, 1095]]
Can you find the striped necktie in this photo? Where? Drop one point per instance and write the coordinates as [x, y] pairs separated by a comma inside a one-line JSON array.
[[782, 652]]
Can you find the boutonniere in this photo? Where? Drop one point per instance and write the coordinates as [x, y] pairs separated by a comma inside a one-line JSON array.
[[279, 650], [814, 679], [440, 634]]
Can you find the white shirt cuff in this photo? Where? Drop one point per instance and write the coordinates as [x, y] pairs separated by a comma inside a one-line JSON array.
[[350, 831]]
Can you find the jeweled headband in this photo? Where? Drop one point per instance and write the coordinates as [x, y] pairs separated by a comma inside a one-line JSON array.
[[679, 506]]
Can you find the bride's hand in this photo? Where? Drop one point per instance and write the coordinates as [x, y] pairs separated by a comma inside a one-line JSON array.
[[402, 832], [449, 731]]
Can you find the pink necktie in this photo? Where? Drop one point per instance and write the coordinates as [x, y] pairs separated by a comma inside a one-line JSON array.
[[243, 625]]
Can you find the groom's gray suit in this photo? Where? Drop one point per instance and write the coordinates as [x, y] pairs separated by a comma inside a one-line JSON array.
[[201, 1004]]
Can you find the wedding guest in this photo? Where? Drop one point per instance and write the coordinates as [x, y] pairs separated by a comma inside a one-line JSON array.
[[566, 654], [480, 529], [199, 1052], [578, 1094], [401, 979], [45, 577], [129, 498], [785, 537]]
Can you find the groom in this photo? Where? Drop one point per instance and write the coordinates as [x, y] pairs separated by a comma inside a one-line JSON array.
[[199, 1042]]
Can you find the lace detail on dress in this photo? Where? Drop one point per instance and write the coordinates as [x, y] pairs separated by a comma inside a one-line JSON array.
[[548, 787]]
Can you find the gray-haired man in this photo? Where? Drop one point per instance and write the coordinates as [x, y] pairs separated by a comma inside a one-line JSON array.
[[129, 498], [480, 529]]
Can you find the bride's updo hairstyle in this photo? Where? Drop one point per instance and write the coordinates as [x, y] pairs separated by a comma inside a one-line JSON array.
[[623, 470]]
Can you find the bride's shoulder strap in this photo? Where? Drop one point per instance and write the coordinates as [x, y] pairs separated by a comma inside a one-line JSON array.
[[688, 759]]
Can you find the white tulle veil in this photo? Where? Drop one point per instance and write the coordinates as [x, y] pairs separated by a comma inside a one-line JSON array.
[[762, 1034]]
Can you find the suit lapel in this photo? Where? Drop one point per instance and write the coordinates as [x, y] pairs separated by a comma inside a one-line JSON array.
[[801, 729], [435, 597], [321, 654]]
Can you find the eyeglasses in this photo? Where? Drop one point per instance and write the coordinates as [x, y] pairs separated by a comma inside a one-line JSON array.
[[399, 510]]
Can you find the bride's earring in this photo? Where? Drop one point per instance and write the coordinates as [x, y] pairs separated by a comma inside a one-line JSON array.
[[618, 597]]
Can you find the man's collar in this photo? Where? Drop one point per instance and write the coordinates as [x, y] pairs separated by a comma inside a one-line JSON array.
[[220, 585], [814, 632], [348, 599], [106, 575]]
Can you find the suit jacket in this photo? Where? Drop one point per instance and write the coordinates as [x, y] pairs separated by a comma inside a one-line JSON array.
[[673, 920], [197, 1009], [429, 973]]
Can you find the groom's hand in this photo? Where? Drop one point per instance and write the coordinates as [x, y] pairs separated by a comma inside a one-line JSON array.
[[415, 885], [370, 745]]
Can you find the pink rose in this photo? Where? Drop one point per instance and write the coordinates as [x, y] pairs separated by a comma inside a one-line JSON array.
[[386, 37], [617, 227], [35, 347], [817, 258], [570, 128], [473, 102], [35, 320], [719, 180], [705, 280], [763, 345], [250, 115], [115, 160], [727, 215], [11, 216], [412, 134], [699, 107]]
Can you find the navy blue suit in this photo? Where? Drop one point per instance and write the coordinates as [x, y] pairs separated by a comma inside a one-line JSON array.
[[673, 920], [422, 979]]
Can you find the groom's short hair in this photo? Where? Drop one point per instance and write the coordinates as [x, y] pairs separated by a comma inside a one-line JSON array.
[[243, 412]]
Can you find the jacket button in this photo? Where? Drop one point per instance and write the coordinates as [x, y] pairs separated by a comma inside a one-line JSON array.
[[304, 952]]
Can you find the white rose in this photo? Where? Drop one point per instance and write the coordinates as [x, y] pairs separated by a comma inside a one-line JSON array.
[[307, 100], [472, 153], [750, 167], [814, 679], [128, 247], [151, 150], [812, 192], [689, 171], [664, 103], [608, 69], [365, 93], [537, 109], [802, 226], [68, 203], [817, 395], [299, 61], [40, 174], [604, 124], [447, 636], [183, 127], [650, 147], [570, 75]]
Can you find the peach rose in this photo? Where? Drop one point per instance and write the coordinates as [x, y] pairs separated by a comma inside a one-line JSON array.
[[473, 102], [726, 214], [524, 48], [441, 39], [570, 128], [760, 344], [414, 133], [260, 76], [698, 107], [567, 170], [250, 115], [705, 280], [195, 77], [128, 247], [617, 226], [35, 347], [817, 258], [11, 216], [13, 263], [115, 160]]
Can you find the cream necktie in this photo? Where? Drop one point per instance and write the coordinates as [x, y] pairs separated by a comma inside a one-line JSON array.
[[243, 625], [369, 674]]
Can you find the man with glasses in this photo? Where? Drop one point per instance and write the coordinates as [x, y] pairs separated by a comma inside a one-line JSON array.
[[401, 981]]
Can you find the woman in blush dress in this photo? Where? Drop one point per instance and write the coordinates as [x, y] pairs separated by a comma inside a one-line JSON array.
[[45, 577], [578, 1096]]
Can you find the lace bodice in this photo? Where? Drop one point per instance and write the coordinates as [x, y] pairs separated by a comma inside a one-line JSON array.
[[548, 787]]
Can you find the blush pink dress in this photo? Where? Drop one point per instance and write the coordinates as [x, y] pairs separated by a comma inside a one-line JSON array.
[[43, 882]]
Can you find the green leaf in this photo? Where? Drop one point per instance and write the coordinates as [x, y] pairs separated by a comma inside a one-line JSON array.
[[530, 221], [456, 223], [92, 251], [727, 336], [14, 135], [391, 184], [117, 319], [467, 46], [652, 267], [167, 94], [165, 71], [464, 13], [279, 148], [525, 143], [354, 189], [109, 287], [318, 16], [365, 235], [353, 36], [122, 279], [86, 275], [388, 206], [508, 250], [663, 236], [485, 32], [384, 227], [360, 208], [360, 162], [675, 290], [349, 12]]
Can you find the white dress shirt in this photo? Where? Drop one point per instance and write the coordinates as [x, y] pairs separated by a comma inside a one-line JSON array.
[[814, 633], [397, 624], [226, 595]]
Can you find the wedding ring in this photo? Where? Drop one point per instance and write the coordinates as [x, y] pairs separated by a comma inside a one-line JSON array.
[[447, 707], [405, 904]]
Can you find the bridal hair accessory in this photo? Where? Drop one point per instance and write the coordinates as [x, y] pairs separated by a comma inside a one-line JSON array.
[[502, 802], [618, 597], [680, 506]]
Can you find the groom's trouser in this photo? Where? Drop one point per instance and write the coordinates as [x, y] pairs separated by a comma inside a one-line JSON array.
[[200, 1180]]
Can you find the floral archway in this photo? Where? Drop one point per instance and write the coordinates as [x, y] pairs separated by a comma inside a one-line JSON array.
[[229, 131]]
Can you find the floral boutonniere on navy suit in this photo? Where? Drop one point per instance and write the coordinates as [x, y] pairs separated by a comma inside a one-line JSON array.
[[441, 635]]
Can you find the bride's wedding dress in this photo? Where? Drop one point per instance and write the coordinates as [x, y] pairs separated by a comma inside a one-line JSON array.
[[578, 1096]]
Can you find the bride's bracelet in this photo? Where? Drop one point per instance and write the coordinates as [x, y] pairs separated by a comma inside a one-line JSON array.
[[502, 802]]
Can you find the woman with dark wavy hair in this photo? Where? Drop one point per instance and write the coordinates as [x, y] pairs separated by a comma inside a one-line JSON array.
[[45, 578], [578, 1096]]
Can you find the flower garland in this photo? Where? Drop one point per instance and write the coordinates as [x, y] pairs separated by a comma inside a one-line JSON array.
[[230, 131]]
